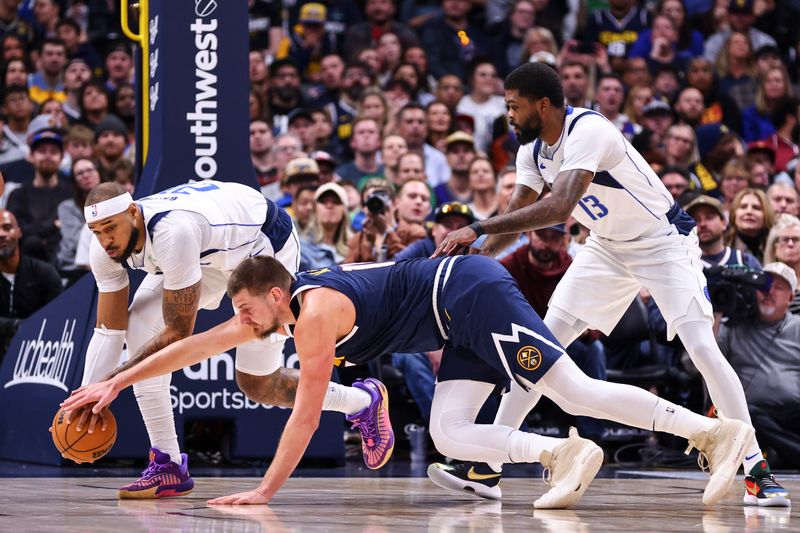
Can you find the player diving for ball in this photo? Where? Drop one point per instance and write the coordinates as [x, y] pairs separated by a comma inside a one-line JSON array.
[[188, 239], [639, 237], [491, 337]]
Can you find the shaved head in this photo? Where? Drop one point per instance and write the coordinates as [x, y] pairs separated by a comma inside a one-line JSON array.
[[104, 191]]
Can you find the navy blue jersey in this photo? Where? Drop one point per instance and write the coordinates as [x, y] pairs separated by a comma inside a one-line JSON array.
[[393, 305], [470, 305]]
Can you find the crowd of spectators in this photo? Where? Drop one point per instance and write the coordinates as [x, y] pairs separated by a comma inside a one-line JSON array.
[[380, 126]]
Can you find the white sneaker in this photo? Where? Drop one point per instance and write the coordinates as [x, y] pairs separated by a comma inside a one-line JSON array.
[[571, 467], [722, 451]]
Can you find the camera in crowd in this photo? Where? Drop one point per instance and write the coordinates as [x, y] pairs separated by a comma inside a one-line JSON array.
[[378, 202], [732, 290]]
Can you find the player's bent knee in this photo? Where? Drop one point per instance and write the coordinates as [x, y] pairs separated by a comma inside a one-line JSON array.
[[257, 388]]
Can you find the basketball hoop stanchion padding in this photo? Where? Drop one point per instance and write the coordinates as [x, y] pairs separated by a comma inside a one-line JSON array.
[[194, 70]]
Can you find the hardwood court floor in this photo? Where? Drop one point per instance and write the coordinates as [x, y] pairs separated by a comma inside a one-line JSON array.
[[380, 505]]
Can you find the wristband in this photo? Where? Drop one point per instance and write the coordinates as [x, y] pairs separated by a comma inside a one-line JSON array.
[[477, 228]]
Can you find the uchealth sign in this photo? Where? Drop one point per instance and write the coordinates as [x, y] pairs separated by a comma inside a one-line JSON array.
[[45, 362]]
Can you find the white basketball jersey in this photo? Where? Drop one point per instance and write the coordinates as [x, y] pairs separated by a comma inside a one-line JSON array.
[[625, 200], [204, 225]]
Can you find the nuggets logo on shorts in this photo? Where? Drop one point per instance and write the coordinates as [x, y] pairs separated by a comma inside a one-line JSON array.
[[529, 357]]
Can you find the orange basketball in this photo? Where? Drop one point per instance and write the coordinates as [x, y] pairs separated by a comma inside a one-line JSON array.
[[82, 446]]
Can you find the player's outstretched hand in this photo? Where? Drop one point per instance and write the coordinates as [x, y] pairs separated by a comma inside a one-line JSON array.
[[90, 400], [455, 240], [251, 497]]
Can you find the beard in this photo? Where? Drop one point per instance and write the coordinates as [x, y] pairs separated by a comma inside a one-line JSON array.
[[8, 250], [264, 332], [543, 256], [527, 134], [121, 259], [355, 91]]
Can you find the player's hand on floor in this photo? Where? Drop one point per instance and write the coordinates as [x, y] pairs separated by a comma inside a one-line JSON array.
[[455, 240], [251, 497]]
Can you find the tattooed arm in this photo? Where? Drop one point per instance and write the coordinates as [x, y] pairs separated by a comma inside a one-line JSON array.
[[522, 196], [180, 311]]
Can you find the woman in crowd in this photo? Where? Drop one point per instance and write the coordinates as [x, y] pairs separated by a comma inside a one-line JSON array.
[[390, 52], [440, 124], [392, 148], [326, 243], [751, 220], [409, 73], [638, 97], [757, 119], [16, 72], [94, 100], [483, 103], [537, 40], [783, 244], [70, 213], [735, 176], [736, 65], [372, 104], [483, 188]]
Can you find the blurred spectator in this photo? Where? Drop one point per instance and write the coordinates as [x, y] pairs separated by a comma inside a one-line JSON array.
[[448, 217], [451, 41], [285, 148], [390, 54], [416, 56], [636, 72], [617, 27], [765, 58], [259, 74], [327, 166], [716, 144], [690, 106], [392, 148], [786, 120], [13, 26], [303, 210], [110, 143], [410, 166], [309, 41], [506, 43], [47, 82], [736, 67], [119, 66], [380, 19], [656, 116], [35, 203], [772, 89], [284, 93], [741, 18], [771, 381], [483, 103], [11, 149], [122, 173], [735, 176], [440, 125], [751, 219], [373, 104], [388, 228], [300, 124], [761, 152], [506, 180], [331, 74], [69, 32], [417, 83], [95, 103], [365, 143], [783, 244], [676, 180], [413, 127], [123, 106], [26, 284], [450, 90], [85, 177], [638, 97], [18, 108], [783, 199], [680, 147], [661, 46], [343, 111], [326, 243], [45, 17], [482, 188], [15, 72], [460, 152], [323, 130], [712, 221], [300, 172], [78, 143], [539, 44], [76, 75], [666, 83], [261, 142], [609, 95], [575, 79], [265, 20], [720, 107]]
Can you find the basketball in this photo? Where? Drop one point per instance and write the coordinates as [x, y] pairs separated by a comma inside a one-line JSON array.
[[82, 446]]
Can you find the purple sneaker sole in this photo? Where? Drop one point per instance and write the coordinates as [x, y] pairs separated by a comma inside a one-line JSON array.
[[377, 436]]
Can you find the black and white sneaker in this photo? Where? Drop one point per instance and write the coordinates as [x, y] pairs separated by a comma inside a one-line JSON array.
[[476, 478]]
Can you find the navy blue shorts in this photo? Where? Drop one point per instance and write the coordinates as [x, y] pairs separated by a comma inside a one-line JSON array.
[[494, 335]]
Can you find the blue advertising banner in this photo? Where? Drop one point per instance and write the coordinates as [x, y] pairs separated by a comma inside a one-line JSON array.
[[197, 88]]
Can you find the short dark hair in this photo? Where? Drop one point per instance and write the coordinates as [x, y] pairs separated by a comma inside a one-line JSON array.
[[673, 169], [69, 22], [104, 191], [536, 81], [53, 41], [258, 275], [15, 89]]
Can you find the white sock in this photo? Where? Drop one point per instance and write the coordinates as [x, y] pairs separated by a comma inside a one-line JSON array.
[[347, 400], [155, 404], [752, 457], [674, 419], [528, 447]]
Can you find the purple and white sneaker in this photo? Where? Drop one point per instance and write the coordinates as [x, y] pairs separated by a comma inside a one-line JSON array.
[[161, 479], [377, 436]]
